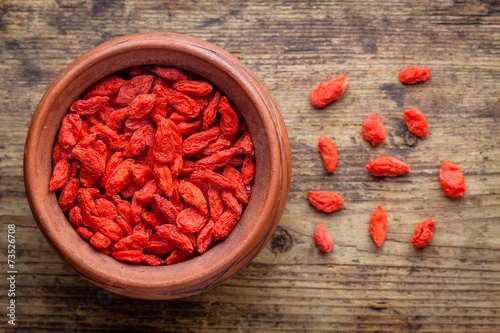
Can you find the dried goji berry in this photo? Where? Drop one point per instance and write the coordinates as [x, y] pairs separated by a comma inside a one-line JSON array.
[[70, 131], [170, 74], [205, 237], [452, 180], [214, 178], [193, 196], [416, 122], [210, 112], [387, 166], [105, 87], [89, 106], [182, 103], [248, 169], [133, 256], [171, 234], [373, 130], [190, 220], [141, 105], [136, 241], [329, 153], [60, 175], [325, 201], [164, 178], [196, 142], [412, 75], [165, 209], [140, 84], [326, 92], [378, 225], [216, 161], [423, 233], [158, 247], [105, 208], [323, 239], [229, 120], [75, 217], [225, 224], [193, 88], [100, 241]]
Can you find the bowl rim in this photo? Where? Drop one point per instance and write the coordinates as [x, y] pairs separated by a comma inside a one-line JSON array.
[[223, 260]]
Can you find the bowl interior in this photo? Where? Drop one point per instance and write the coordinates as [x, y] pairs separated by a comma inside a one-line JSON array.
[[272, 154]]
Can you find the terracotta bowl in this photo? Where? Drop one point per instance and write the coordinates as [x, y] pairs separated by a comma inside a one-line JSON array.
[[272, 153]]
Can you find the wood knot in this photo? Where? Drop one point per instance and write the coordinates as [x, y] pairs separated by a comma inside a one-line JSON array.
[[281, 241]]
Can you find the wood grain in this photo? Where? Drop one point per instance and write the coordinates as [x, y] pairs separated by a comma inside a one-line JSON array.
[[450, 286]]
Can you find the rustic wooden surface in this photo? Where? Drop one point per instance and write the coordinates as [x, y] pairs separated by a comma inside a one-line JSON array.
[[453, 285]]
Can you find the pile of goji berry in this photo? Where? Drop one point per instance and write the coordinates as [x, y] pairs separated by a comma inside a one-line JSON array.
[[373, 130], [153, 165]]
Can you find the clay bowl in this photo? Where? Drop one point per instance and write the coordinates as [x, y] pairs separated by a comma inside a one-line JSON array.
[[271, 184]]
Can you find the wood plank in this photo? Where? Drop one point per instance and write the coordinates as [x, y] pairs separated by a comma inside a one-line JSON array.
[[450, 286]]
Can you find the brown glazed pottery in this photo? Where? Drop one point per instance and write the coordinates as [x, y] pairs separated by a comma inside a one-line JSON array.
[[269, 194]]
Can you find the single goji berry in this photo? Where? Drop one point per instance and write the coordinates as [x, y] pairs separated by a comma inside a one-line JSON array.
[[212, 177], [100, 241], [373, 130], [416, 122], [231, 202], [182, 103], [225, 224], [89, 106], [193, 88], [329, 153], [190, 220], [387, 166], [119, 178], [152, 260], [326, 92], [105, 208], [205, 238], [165, 209], [60, 175], [193, 196], [152, 219], [412, 75], [196, 142], [177, 256], [141, 105], [140, 140], [172, 235], [138, 85], [229, 119], [170, 74], [452, 180], [164, 178], [248, 169], [108, 228], [163, 147], [325, 201], [210, 112], [133, 256], [135, 241], [423, 233], [216, 161], [104, 87], [323, 239], [85, 233], [75, 217], [378, 225], [71, 131], [158, 247]]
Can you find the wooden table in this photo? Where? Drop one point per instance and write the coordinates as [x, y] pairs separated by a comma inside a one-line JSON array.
[[453, 285]]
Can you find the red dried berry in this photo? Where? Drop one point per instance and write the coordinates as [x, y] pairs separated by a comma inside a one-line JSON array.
[[387, 166], [412, 75], [325, 201], [326, 92], [322, 238], [416, 122], [378, 226], [452, 180], [373, 130], [329, 153], [423, 233]]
